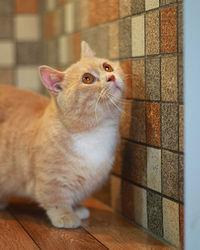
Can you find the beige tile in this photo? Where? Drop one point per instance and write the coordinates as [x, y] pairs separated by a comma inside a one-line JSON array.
[[181, 128], [50, 5], [27, 27], [84, 22], [138, 82], [69, 17], [171, 221], [28, 78], [7, 52], [115, 193], [154, 169], [63, 52], [124, 8], [126, 119], [6, 76], [114, 40], [138, 35], [151, 4]]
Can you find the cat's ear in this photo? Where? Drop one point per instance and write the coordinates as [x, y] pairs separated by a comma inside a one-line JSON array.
[[86, 51], [51, 79]]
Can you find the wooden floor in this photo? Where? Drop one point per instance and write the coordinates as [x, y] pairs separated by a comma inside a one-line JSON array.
[[25, 226]]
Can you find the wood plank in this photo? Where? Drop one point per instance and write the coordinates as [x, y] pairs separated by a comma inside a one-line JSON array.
[[35, 221], [12, 235], [115, 232]]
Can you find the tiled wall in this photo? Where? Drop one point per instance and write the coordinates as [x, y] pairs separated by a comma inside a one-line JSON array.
[[145, 37]]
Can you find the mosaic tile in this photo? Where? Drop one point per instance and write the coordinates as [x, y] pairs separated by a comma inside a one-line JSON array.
[[165, 2], [152, 33], [77, 46], [63, 50], [84, 15], [126, 67], [180, 28], [153, 123], [181, 128], [69, 17], [61, 2], [50, 4], [170, 174], [169, 89], [115, 191], [104, 193], [28, 78], [180, 77], [6, 7], [169, 30], [7, 76], [154, 169], [29, 53], [27, 7], [113, 6], [153, 79], [138, 76], [124, 8], [138, 130], [114, 40], [7, 52], [119, 158], [181, 178], [171, 221], [6, 27], [181, 211], [101, 48], [48, 25], [137, 6], [126, 119], [154, 210], [95, 12], [51, 52], [58, 22], [137, 35], [151, 4], [27, 27], [77, 15], [169, 118], [125, 37]]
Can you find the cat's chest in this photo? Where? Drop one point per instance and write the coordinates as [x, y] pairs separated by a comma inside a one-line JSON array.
[[97, 146]]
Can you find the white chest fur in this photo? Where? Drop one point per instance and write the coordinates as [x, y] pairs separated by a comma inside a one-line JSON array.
[[97, 146]]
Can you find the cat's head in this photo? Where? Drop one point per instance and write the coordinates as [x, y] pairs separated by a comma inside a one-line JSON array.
[[87, 92]]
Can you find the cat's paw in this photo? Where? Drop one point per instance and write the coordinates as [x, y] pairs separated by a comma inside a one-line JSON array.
[[64, 219], [3, 204], [82, 212]]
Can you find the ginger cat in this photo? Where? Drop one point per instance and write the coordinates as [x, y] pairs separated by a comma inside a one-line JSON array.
[[57, 151]]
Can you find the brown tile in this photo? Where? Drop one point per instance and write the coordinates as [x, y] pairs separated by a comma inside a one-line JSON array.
[[6, 7], [6, 26], [152, 33], [113, 7], [84, 15], [138, 131], [165, 2], [153, 123], [77, 14], [170, 185], [103, 194], [154, 210], [102, 35], [138, 82], [119, 158], [181, 178], [125, 37], [137, 6], [24, 6], [169, 118], [180, 77], [48, 25], [180, 28], [58, 21], [169, 89], [169, 30], [114, 40], [181, 128], [77, 46], [61, 2], [7, 76], [126, 67], [50, 48], [124, 8], [181, 211], [115, 191], [171, 221], [126, 119], [153, 79], [95, 12]]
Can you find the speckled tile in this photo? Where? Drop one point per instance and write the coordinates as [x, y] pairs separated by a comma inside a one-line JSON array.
[[7, 76], [48, 25], [169, 30], [138, 76], [119, 158], [126, 119], [152, 33], [50, 50], [115, 192], [181, 178], [153, 79], [171, 221], [102, 35], [181, 211], [181, 128], [153, 123], [169, 117], [95, 12], [104, 193], [138, 131], [113, 5], [126, 67], [137, 6], [24, 6], [165, 2], [125, 37], [154, 169], [6, 7], [137, 26], [180, 77], [151, 4], [58, 22], [114, 40], [169, 89], [29, 53], [180, 28], [84, 15], [154, 210], [6, 27], [170, 174], [124, 8], [77, 46]]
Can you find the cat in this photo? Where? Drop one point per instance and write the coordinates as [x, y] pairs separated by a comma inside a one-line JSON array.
[[58, 151]]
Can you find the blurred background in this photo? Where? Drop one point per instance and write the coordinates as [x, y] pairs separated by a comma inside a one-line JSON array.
[[145, 38]]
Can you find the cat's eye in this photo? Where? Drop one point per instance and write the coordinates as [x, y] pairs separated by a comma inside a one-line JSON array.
[[107, 67], [88, 78]]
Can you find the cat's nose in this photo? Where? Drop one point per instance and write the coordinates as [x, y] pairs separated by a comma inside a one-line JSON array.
[[111, 78]]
